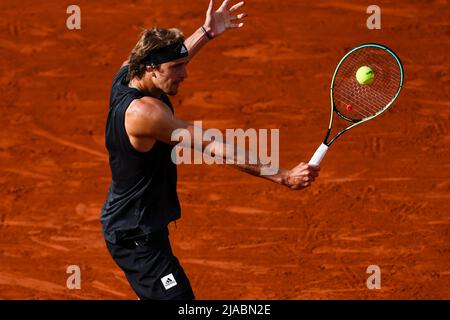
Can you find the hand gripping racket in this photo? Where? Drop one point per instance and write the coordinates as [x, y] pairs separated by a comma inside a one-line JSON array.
[[357, 100]]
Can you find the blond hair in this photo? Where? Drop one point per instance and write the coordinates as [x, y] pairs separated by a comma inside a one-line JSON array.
[[149, 40]]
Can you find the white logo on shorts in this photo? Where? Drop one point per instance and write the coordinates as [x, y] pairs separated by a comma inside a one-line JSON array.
[[169, 281]]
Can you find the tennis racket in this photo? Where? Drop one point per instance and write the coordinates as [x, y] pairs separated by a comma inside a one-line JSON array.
[[358, 103]]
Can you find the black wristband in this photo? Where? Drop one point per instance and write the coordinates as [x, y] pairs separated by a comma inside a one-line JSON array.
[[207, 33]]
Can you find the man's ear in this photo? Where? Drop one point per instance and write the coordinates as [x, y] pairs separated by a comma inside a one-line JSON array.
[[151, 69]]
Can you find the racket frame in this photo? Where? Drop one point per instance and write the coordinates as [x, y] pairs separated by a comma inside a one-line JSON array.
[[321, 151], [354, 121]]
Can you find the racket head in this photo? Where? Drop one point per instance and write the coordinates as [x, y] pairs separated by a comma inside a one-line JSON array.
[[357, 102]]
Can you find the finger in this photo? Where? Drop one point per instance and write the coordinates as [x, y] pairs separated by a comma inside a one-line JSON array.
[[224, 4], [210, 7], [235, 25], [305, 172], [301, 185], [300, 174], [236, 6], [239, 16], [296, 181], [296, 186], [314, 173], [309, 178], [303, 178], [314, 167], [299, 168], [301, 165]]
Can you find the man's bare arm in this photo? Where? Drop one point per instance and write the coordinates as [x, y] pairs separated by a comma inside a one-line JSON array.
[[216, 23], [244, 160], [195, 42], [150, 118]]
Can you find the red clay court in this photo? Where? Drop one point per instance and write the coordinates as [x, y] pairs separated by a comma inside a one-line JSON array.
[[383, 196]]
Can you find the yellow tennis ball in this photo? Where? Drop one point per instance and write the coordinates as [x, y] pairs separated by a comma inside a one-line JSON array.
[[365, 75]]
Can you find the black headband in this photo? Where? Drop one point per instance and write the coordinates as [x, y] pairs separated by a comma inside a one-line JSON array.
[[171, 52]]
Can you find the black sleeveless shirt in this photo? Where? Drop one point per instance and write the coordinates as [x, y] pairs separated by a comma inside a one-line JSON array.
[[142, 197]]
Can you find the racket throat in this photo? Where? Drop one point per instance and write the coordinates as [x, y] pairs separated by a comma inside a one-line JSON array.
[[327, 135]]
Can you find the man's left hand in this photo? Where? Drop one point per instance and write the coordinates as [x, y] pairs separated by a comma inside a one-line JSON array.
[[221, 20]]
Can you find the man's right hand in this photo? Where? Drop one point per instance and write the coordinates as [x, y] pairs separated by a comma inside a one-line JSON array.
[[301, 176]]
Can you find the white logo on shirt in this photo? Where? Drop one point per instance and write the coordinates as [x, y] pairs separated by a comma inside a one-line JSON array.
[[168, 281]]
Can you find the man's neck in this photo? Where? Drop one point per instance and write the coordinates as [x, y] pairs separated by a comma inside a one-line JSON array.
[[146, 88]]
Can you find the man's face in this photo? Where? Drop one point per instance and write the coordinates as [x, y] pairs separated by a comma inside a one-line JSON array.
[[169, 75]]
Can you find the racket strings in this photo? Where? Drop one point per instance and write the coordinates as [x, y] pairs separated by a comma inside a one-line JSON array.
[[364, 111], [358, 105], [358, 101], [368, 96], [364, 99]]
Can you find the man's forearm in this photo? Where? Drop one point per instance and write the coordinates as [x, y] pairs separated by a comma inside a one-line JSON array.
[[246, 161], [255, 170], [195, 42], [240, 158]]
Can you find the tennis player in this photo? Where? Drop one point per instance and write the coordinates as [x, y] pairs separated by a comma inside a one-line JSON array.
[[142, 199]]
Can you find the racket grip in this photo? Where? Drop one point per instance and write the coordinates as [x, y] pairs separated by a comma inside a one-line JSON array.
[[319, 154]]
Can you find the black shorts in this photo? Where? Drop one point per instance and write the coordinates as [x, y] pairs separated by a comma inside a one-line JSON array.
[[152, 270]]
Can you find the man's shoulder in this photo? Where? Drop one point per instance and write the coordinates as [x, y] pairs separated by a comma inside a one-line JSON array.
[[147, 102], [147, 106], [145, 117]]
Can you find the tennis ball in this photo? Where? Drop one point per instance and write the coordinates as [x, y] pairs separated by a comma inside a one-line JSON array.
[[365, 75]]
